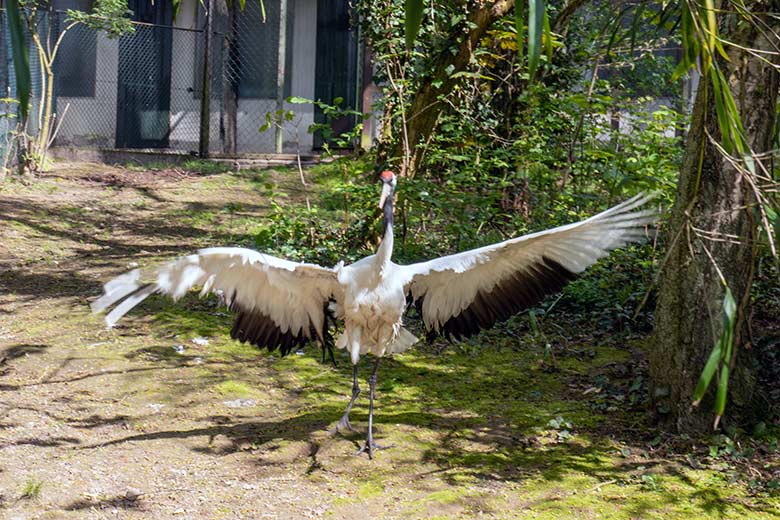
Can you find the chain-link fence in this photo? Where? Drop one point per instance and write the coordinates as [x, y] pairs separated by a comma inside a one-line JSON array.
[[144, 90]]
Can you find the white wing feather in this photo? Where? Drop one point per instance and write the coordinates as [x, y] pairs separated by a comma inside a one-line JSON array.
[[451, 283], [291, 294]]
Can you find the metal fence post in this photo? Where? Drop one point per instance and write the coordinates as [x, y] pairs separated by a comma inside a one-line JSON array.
[[282, 58], [205, 94]]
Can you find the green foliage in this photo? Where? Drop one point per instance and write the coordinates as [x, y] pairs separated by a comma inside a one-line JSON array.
[[332, 113], [110, 16], [609, 293], [338, 226], [719, 358], [32, 488]]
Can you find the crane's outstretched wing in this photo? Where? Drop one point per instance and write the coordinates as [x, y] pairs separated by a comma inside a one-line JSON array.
[[460, 294], [279, 303]]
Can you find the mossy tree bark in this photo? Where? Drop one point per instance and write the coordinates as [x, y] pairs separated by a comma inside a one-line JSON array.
[[714, 202]]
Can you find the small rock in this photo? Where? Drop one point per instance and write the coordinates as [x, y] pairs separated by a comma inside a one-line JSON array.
[[200, 341], [133, 494], [132, 264], [179, 349], [156, 407], [198, 360], [240, 403]]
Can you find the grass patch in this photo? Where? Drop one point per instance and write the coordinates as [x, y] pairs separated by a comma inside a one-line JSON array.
[[32, 488], [445, 496], [205, 167], [234, 388], [370, 489]]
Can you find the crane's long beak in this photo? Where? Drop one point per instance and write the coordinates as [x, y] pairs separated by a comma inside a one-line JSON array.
[[387, 191]]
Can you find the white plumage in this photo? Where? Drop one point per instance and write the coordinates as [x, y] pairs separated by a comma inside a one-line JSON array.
[[282, 304]]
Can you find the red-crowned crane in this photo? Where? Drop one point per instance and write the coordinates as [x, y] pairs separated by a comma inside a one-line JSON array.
[[283, 304]]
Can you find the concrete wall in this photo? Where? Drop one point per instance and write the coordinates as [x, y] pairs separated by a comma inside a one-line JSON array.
[[185, 104], [91, 121]]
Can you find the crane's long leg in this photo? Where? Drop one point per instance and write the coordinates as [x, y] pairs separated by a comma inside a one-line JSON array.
[[370, 444], [343, 423]]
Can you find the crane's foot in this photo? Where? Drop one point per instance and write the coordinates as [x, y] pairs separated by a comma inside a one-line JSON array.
[[343, 425], [369, 447]]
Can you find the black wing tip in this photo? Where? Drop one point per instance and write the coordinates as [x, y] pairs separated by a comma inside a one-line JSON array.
[[258, 329], [508, 298]]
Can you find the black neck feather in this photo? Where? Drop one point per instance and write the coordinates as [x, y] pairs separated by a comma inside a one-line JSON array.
[[388, 214]]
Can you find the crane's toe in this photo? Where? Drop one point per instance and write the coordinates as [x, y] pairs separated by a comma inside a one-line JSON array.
[[343, 425], [369, 447]]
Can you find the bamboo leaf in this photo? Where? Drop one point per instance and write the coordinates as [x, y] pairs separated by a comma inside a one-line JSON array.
[[688, 37], [712, 25], [719, 357], [682, 68], [20, 58], [175, 4], [613, 37], [720, 110], [640, 11], [262, 9], [720, 398], [729, 120], [519, 25], [727, 342], [414, 15], [706, 375], [548, 39], [729, 310], [535, 22], [617, 24], [242, 4]]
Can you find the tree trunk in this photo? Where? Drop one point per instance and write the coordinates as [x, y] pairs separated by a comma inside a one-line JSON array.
[[715, 197], [47, 99]]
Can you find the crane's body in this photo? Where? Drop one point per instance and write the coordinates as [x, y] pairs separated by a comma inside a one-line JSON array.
[[373, 303], [372, 312], [283, 304]]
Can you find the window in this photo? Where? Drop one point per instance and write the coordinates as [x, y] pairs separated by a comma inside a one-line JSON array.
[[75, 66]]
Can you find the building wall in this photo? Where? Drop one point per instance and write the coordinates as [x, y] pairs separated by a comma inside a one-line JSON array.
[[252, 112], [185, 104], [91, 121]]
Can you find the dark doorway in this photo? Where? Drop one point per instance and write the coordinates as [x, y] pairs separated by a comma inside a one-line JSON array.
[[336, 68], [144, 90]]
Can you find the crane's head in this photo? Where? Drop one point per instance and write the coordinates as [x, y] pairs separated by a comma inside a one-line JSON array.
[[388, 187]]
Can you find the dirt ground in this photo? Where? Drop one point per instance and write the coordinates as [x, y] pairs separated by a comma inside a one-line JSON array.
[[166, 417]]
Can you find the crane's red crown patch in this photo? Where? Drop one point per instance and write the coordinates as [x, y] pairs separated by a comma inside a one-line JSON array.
[[387, 175]]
